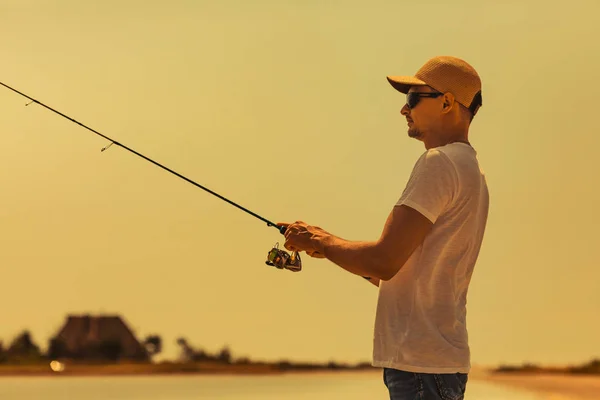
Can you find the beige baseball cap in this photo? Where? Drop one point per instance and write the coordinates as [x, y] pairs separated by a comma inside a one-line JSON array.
[[445, 74]]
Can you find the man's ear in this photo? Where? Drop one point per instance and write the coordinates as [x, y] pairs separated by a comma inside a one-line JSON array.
[[448, 102]]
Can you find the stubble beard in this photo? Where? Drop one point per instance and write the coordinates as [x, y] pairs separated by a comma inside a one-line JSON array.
[[414, 133]]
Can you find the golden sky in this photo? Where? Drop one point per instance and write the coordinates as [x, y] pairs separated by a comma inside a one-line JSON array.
[[284, 108]]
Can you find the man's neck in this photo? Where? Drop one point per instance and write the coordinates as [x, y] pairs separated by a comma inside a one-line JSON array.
[[441, 143], [460, 136]]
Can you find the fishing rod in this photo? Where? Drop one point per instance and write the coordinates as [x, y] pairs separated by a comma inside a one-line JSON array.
[[276, 257]]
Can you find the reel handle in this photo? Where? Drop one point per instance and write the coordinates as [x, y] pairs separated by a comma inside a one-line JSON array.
[[296, 255]]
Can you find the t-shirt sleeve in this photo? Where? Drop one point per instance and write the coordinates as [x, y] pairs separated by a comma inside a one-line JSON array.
[[432, 186]]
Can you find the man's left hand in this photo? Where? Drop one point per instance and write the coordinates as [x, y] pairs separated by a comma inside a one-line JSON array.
[[299, 236]]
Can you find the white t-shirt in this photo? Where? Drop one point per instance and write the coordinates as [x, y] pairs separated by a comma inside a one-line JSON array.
[[420, 325]]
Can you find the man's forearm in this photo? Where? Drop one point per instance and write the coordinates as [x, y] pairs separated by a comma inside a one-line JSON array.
[[360, 258]]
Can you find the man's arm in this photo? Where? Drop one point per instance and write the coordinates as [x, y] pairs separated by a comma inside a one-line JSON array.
[[404, 231]]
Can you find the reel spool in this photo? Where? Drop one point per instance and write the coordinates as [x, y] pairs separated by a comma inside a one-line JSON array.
[[281, 259]]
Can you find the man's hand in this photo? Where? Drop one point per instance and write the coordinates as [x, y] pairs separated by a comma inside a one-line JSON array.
[[299, 236]]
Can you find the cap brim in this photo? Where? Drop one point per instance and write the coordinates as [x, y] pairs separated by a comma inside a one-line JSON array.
[[403, 83]]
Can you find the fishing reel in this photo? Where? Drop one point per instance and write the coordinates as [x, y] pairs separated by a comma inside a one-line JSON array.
[[281, 259]]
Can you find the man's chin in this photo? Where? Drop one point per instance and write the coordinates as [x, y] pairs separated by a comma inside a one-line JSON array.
[[414, 134]]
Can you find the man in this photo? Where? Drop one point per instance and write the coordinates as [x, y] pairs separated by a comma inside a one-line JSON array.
[[424, 259]]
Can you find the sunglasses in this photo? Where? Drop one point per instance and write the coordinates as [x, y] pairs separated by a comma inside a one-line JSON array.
[[412, 98]]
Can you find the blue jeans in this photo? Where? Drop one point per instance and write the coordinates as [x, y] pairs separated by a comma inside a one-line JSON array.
[[404, 385]]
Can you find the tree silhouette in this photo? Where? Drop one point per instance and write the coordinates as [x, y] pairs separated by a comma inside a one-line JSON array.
[[153, 344], [187, 352], [225, 355], [23, 348]]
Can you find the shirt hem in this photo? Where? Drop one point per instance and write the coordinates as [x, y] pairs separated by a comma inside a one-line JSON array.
[[420, 369]]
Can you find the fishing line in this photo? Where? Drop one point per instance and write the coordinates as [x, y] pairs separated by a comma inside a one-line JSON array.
[[276, 257], [112, 141]]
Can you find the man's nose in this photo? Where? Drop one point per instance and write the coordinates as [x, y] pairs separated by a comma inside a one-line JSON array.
[[405, 110]]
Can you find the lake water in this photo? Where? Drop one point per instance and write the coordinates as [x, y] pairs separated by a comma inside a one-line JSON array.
[[346, 386]]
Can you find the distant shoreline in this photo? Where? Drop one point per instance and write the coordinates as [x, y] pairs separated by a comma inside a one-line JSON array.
[[590, 368], [209, 367], [169, 368]]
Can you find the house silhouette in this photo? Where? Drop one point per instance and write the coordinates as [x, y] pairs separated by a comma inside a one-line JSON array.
[[96, 338]]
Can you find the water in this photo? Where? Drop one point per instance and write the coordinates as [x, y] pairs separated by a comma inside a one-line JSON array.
[[346, 386]]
